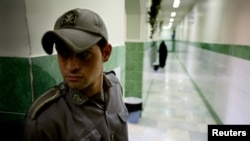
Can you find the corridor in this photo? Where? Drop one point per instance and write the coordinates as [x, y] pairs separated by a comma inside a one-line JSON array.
[[173, 109]]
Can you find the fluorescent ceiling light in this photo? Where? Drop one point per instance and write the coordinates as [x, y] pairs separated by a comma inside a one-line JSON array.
[[171, 19], [173, 14], [176, 3]]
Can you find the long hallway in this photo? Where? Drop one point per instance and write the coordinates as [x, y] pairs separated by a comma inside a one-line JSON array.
[[173, 109]]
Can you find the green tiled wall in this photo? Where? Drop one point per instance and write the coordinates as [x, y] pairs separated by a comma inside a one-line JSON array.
[[117, 59], [46, 73], [134, 67], [135, 52], [241, 51], [15, 87]]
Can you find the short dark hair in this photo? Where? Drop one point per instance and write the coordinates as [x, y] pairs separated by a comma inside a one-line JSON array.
[[102, 43]]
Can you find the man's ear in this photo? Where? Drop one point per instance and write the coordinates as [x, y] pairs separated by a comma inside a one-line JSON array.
[[107, 52]]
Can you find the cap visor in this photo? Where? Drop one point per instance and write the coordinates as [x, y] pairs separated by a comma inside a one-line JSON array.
[[75, 39]]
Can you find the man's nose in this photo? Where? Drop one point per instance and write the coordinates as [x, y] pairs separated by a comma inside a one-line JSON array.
[[73, 64]]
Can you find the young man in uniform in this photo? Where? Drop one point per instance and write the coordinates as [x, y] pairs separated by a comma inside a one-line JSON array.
[[88, 105]]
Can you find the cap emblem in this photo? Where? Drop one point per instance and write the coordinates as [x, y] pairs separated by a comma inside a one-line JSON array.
[[69, 19]]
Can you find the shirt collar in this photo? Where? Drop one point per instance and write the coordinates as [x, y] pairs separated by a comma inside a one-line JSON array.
[[78, 98]]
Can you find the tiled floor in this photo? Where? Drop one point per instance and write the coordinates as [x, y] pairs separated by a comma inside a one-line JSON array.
[[173, 109]]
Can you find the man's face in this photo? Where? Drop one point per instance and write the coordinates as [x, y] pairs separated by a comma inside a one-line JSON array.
[[83, 70]]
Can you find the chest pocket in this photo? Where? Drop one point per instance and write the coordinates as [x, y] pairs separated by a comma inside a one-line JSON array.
[[94, 135]]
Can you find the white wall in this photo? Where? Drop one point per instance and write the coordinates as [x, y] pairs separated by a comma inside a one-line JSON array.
[[137, 21], [42, 14], [166, 34], [138, 27], [133, 27], [14, 37], [223, 79], [217, 21]]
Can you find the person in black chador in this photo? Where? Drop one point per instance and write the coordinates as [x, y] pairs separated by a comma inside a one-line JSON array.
[[163, 53]]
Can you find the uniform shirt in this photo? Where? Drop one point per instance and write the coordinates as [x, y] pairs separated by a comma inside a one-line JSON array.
[[75, 117]]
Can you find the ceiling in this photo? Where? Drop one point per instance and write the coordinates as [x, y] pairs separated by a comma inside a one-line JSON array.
[[134, 7], [183, 9]]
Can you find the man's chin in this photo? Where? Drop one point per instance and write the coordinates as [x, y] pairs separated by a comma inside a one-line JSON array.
[[75, 86]]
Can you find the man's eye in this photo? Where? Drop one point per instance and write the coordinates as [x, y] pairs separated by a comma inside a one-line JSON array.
[[83, 55], [64, 54]]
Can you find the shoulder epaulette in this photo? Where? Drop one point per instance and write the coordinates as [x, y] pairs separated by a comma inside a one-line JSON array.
[[108, 72], [112, 76], [42, 101]]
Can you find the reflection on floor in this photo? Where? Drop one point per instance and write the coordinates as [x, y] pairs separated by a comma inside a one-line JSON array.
[[173, 109]]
